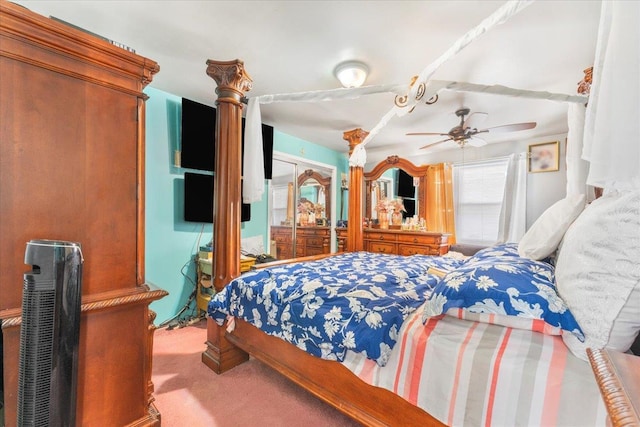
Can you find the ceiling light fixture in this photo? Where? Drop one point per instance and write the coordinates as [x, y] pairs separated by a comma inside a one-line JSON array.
[[351, 73]]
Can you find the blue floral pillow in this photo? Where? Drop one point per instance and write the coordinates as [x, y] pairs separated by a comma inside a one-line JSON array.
[[498, 286], [492, 253]]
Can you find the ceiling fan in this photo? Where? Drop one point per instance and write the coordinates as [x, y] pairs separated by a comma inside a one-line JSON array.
[[465, 133]]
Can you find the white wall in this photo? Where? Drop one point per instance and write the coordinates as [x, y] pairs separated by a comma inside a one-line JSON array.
[[543, 188]]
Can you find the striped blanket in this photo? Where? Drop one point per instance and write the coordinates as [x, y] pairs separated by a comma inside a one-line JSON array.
[[477, 374]]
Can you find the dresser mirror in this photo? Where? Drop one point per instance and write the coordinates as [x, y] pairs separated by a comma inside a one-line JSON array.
[[392, 180], [314, 193]]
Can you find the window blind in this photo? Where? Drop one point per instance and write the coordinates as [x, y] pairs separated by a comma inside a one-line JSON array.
[[478, 190]]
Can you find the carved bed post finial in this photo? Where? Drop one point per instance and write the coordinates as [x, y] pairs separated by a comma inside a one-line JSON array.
[[354, 224], [584, 85]]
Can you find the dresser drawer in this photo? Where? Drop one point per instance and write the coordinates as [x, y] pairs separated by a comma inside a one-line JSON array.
[[420, 239], [314, 251], [408, 250], [315, 241], [282, 239], [382, 247], [380, 237]]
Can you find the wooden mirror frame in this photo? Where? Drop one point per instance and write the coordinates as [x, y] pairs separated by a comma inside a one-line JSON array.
[[390, 162], [323, 181]]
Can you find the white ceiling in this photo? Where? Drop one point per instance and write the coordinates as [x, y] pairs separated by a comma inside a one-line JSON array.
[[293, 46]]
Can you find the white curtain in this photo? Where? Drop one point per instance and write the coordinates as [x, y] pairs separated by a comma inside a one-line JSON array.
[[253, 180], [612, 126], [577, 168], [512, 224]]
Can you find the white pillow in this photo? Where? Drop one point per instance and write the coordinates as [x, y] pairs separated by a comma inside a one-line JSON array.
[[544, 236], [598, 273]]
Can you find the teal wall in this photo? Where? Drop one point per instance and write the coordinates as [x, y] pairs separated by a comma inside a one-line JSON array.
[[171, 243]]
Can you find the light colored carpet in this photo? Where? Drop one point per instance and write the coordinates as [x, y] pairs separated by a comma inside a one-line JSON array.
[[190, 394]]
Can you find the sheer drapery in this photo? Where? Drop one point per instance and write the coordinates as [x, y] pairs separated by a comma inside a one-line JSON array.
[[253, 177], [612, 127], [577, 168], [513, 214]]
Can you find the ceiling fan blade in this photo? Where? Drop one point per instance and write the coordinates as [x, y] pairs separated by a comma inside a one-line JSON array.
[[475, 120], [427, 133], [436, 143], [510, 128], [476, 142]]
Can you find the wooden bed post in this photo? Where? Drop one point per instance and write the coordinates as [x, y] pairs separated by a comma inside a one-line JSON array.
[[232, 81], [355, 240]]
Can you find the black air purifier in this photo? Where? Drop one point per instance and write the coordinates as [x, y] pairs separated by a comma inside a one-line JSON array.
[[49, 334]]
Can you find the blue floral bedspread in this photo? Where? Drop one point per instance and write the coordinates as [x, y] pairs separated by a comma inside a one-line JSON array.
[[352, 301]]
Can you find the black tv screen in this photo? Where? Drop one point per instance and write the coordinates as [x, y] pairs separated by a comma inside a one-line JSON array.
[[198, 136], [405, 185], [198, 199]]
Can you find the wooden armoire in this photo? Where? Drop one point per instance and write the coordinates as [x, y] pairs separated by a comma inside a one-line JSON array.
[[72, 168]]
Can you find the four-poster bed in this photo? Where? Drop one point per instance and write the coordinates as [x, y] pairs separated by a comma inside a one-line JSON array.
[[329, 380]]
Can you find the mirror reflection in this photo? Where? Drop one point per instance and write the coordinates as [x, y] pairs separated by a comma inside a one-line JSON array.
[[300, 196]]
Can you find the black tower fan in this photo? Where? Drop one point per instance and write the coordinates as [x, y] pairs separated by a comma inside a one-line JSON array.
[[49, 334]]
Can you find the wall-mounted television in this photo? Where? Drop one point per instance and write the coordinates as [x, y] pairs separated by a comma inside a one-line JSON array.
[[198, 199], [405, 185], [198, 138]]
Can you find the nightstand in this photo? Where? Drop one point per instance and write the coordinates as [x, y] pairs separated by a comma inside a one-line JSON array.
[[204, 269], [246, 263]]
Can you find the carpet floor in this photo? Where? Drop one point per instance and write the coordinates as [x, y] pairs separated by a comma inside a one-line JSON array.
[[188, 393]]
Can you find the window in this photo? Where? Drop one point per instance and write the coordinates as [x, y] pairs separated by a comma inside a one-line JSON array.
[[478, 190]]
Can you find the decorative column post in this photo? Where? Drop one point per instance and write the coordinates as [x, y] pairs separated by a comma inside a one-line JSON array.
[[232, 81], [220, 355], [355, 241]]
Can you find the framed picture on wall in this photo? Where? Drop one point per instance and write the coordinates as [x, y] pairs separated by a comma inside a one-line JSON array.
[[544, 157]]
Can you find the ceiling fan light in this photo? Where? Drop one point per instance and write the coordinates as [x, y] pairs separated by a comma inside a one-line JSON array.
[[351, 73]]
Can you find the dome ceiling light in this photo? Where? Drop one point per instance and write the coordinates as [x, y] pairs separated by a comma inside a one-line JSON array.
[[351, 73]]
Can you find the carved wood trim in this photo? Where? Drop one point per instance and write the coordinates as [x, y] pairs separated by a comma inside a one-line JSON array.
[[127, 71], [618, 404], [95, 302], [395, 162]]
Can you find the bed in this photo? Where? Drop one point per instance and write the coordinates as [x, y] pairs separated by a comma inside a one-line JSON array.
[[373, 319], [527, 369]]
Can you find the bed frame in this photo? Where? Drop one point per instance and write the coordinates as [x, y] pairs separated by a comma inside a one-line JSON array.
[[328, 380]]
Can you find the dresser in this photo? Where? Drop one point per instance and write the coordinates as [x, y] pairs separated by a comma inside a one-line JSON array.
[[400, 242], [311, 240], [72, 169]]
